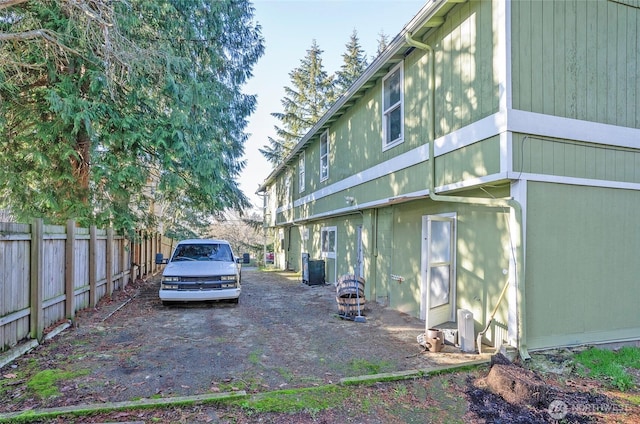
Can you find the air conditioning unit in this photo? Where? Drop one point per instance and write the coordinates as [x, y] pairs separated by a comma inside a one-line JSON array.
[[466, 331]]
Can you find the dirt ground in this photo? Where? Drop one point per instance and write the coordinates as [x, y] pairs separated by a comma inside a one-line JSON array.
[[281, 335]]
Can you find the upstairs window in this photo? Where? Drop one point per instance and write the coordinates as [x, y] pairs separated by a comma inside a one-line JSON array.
[[301, 173], [393, 108], [324, 156]]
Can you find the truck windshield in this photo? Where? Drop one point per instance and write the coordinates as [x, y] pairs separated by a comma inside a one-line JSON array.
[[203, 252]]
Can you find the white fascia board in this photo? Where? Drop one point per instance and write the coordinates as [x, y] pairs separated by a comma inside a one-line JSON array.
[[587, 182], [502, 124], [572, 129], [473, 182], [405, 160], [480, 130]]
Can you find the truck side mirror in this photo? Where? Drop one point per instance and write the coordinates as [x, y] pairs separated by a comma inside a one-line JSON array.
[[160, 259]]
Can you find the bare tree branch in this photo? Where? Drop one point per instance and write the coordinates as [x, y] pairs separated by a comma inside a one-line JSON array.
[[29, 35], [9, 3]]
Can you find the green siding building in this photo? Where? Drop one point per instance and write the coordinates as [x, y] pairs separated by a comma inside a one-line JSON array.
[[492, 143]]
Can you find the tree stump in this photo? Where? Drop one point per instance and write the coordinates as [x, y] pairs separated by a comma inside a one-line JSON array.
[[518, 386]]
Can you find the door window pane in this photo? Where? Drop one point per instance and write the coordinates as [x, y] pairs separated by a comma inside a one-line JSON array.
[[440, 241], [439, 288]]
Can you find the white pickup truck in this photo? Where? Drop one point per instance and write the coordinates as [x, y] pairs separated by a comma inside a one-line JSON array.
[[200, 270]]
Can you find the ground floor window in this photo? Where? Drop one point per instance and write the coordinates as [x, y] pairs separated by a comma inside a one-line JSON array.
[[329, 238]]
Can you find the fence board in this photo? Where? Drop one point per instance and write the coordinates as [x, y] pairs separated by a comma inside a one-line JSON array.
[[81, 279], [53, 280], [68, 260], [61, 276]]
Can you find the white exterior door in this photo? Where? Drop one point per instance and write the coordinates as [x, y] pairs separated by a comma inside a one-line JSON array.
[[438, 288]]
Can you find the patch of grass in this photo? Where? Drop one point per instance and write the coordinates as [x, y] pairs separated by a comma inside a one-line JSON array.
[[400, 391], [367, 404], [285, 373], [366, 367], [610, 365], [44, 383], [247, 381], [312, 400], [634, 400], [254, 357]]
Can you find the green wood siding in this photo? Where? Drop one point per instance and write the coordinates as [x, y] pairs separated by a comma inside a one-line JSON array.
[[293, 248], [575, 159], [577, 59], [466, 74], [477, 160], [383, 254], [465, 92], [482, 252], [356, 137], [582, 267]]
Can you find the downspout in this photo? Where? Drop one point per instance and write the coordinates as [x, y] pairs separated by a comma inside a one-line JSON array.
[[481, 201]]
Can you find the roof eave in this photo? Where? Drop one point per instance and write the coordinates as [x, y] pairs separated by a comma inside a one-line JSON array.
[[423, 21]]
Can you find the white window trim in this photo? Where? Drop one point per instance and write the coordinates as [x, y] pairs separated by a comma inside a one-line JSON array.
[[326, 253], [325, 135], [301, 173], [287, 186], [399, 140]]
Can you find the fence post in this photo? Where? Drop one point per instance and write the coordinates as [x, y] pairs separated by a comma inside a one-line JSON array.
[[126, 260], [154, 250], [36, 318], [109, 261], [70, 268], [135, 255], [93, 244], [147, 249]]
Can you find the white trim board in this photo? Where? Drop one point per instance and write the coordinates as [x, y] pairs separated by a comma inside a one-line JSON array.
[[497, 124]]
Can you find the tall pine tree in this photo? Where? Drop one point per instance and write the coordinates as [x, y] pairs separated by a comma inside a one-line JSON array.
[[383, 43], [354, 64], [311, 95], [109, 107]]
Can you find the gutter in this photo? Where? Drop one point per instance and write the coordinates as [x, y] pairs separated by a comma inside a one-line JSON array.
[[511, 203]]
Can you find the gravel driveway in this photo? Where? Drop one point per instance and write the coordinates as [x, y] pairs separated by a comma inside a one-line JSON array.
[[282, 334]]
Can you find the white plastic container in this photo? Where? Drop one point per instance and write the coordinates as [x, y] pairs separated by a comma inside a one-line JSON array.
[[466, 331]]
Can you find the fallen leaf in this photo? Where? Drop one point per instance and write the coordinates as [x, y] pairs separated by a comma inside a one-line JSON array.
[[10, 375]]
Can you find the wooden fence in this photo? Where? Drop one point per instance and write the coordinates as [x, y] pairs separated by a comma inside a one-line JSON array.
[[49, 272]]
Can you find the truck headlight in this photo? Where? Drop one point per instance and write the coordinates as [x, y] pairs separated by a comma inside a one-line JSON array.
[[170, 279], [169, 283], [228, 278]]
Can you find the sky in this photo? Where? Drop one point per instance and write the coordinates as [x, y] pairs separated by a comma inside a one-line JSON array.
[[289, 28]]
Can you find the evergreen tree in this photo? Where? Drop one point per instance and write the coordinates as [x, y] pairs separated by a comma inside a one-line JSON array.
[[383, 43], [311, 95], [110, 109], [354, 64]]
